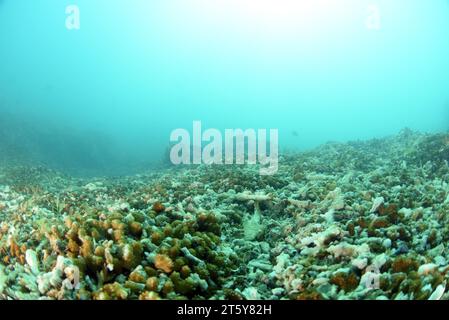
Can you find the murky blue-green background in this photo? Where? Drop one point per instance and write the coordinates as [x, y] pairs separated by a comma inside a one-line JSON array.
[[106, 97]]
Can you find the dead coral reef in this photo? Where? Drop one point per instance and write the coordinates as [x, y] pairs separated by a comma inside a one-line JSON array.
[[89, 242], [357, 220]]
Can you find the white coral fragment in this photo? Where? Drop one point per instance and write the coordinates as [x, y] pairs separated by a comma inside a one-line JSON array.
[[438, 293], [32, 261], [378, 202]]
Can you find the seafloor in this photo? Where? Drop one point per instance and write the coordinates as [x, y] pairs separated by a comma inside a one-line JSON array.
[[360, 220]]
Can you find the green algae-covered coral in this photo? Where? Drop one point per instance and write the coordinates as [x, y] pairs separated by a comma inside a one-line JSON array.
[[358, 220], [118, 253]]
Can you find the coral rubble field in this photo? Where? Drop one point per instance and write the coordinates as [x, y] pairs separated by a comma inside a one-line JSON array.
[[358, 220]]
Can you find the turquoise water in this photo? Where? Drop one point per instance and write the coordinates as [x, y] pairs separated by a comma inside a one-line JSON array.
[[137, 70], [341, 188]]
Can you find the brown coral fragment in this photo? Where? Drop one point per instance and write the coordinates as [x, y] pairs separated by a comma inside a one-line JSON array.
[[164, 263], [344, 281], [404, 264], [158, 207], [149, 295]]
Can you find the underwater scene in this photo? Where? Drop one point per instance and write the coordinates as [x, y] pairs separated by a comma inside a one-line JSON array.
[[224, 150]]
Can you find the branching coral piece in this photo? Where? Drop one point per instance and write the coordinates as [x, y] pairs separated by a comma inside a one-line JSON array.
[[163, 262]]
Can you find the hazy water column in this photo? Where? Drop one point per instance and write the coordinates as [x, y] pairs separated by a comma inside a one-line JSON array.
[[138, 69]]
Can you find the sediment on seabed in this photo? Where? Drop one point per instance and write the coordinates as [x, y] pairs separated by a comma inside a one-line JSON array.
[[358, 220]]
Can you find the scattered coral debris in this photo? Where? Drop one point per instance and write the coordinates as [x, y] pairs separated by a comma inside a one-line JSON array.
[[358, 220]]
